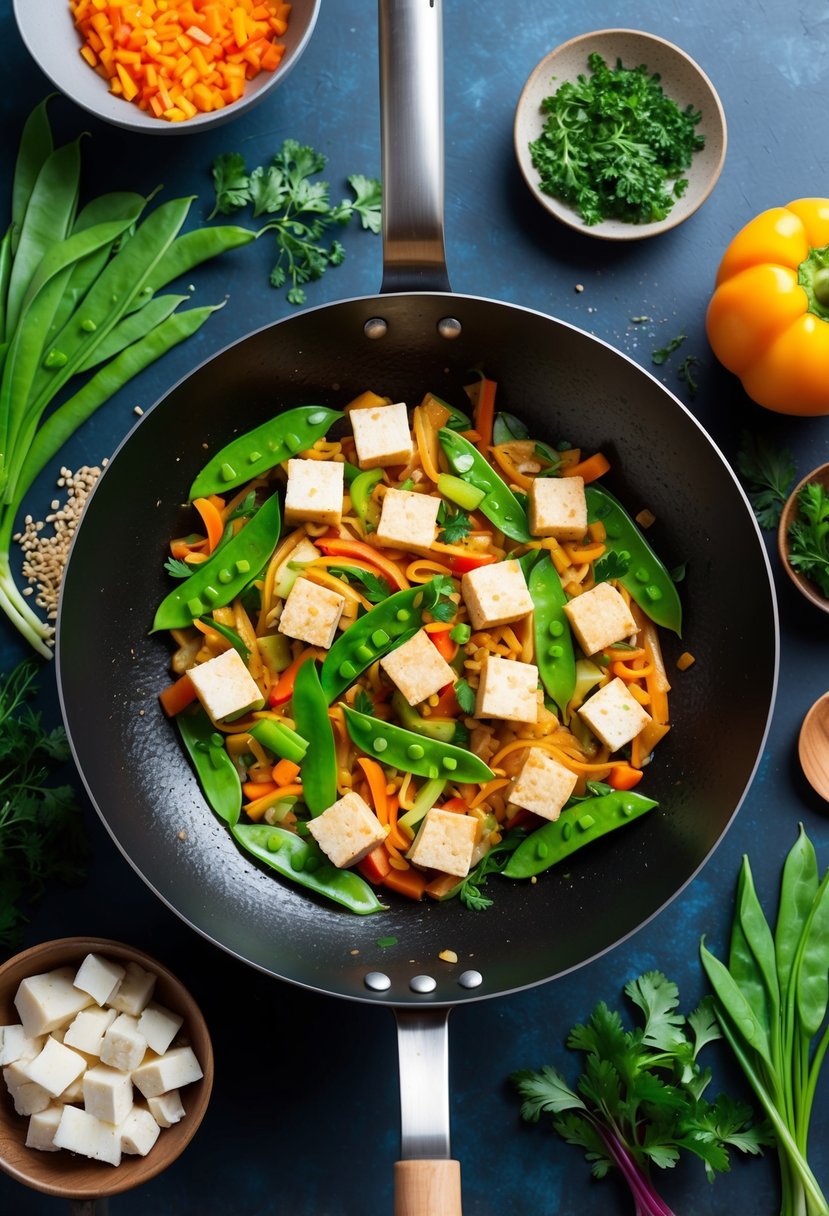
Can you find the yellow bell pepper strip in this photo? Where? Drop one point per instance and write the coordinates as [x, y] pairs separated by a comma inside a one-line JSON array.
[[768, 320]]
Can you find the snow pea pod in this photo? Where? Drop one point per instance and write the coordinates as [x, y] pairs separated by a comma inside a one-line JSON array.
[[36, 147], [263, 448], [554, 651], [216, 772], [226, 572], [303, 862], [645, 577], [309, 706], [576, 826], [499, 504], [413, 753]]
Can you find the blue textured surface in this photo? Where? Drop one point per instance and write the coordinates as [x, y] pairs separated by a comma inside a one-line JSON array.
[[305, 1111]]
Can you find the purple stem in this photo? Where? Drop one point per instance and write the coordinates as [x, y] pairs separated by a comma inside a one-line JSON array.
[[648, 1202]]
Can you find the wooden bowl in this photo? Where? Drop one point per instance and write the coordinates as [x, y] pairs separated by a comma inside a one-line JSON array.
[[804, 585], [62, 1173], [682, 79]]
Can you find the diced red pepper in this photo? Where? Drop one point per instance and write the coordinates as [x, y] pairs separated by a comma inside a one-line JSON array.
[[624, 777], [446, 648], [375, 865], [462, 563]]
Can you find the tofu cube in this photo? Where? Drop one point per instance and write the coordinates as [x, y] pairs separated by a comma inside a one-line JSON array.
[[42, 1127], [408, 520], [122, 1046], [614, 715], [558, 507], [225, 687], [496, 594], [599, 617], [543, 784], [74, 1092], [314, 491], [136, 989], [107, 1093], [166, 1109], [15, 1044], [139, 1132], [417, 668], [44, 1002], [159, 1027], [87, 1031], [82, 1133], [381, 435], [56, 1067], [444, 842], [28, 1098], [311, 613], [99, 977], [507, 689], [173, 1070], [347, 830]]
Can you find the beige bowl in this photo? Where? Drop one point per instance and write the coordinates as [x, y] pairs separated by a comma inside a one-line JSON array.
[[62, 1173], [682, 79], [804, 585]]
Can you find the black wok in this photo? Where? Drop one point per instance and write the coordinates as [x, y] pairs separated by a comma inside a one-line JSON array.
[[564, 383]]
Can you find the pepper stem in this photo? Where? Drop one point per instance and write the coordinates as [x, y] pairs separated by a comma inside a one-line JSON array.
[[813, 277]]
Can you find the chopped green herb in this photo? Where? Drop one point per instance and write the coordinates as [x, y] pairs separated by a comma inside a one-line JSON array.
[[492, 862], [438, 599], [465, 696], [768, 473], [665, 352], [456, 525], [612, 565], [385, 942], [374, 588], [177, 568], [809, 536], [363, 702], [685, 374]]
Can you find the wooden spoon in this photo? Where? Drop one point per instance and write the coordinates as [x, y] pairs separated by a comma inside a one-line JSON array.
[[813, 746]]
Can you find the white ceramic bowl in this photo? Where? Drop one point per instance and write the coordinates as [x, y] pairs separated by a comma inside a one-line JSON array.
[[682, 79]]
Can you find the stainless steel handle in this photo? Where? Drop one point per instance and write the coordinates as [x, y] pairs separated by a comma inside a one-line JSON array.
[[411, 133]]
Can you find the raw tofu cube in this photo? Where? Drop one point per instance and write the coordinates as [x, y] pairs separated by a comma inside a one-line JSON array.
[[135, 991], [74, 1092], [408, 520], [42, 1128], [107, 1093], [86, 1032], [139, 1132], [614, 715], [123, 1047], [82, 1133], [445, 842], [28, 1098], [599, 617], [381, 435], [543, 785], [159, 1027], [507, 689], [314, 491], [56, 1067], [496, 594], [99, 977], [173, 1070], [166, 1109], [15, 1044], [417, 668], [558, 507], [347, 830], [311, 613], [44, 1002], [225, 687]]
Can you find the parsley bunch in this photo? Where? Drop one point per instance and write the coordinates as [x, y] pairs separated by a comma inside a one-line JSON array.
[[639, 1102], [302, 209], [809, 536], [767, 473], [614, 146]]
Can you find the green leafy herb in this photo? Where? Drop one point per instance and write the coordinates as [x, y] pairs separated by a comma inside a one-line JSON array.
[[41, 824], [363, 702], [302, 209], [685, 373], [614, 146], [809, 536], [492, 862], [455, 524], [664, 353], [639, 1101], [438, 599], [612, 565], [177, 568], [768, 473], [374, 588], [465, 696]]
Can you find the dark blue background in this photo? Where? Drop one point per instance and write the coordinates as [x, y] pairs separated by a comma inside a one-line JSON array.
[[305, 1117]]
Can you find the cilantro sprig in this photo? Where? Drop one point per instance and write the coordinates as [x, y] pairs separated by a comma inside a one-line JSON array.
[[768, 473], [301, 208], [809, 536]]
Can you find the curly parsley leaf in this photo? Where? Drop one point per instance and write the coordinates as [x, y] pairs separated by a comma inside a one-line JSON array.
[[767, 473], [493, 862]]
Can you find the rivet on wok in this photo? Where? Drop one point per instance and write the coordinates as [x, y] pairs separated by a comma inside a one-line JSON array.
[[375, 327], [449, 328], [470, 979], [422, 984], [377, 981]]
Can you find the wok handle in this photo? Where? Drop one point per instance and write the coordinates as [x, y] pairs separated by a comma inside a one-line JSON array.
[[411, 137], [426, 1182]]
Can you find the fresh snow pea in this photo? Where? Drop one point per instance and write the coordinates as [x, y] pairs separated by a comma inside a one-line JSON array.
[[226, 572], [303, 862], [216, 772], [309, 706], [798, 888], [643, 574], [499, 504], [199, 245], [5, 272], [35, 148], [577, 826], [812, 991], [132, 328], [554, 649], [263, 448], [412, 753]]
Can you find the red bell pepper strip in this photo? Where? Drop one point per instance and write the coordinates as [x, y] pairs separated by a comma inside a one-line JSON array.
[[442, 642], [283, 689], [462, 563], [375, 865], [336, 546]]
